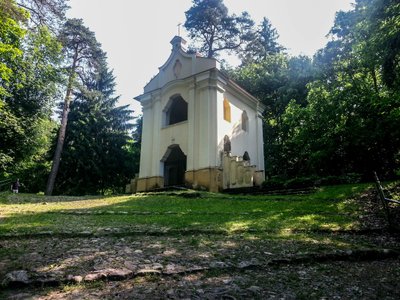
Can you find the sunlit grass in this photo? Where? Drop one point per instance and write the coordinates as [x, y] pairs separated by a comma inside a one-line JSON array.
[[52, 206], [238, 226], [326, 209]]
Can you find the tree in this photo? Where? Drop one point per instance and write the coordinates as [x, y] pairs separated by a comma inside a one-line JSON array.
[[45, 13], [137, 143], [209, 24], [83, 54], [339, 113], [264, 43], [352, 107], [32, 100], [11, 36], [97, 157], [30, 82], [276, 80], [383, 48]]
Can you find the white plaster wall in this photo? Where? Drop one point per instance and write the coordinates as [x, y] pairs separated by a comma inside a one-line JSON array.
[[156, 137], [174, 134], [147, 144], [157, 123], [203, 115], [241, 140], [260, 146]]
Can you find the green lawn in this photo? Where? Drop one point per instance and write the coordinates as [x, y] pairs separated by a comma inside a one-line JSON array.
[[326, 209]]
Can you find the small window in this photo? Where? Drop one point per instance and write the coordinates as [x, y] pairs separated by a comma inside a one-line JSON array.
[[246, 156], [227, 111], [227, 144], [245, 121], [177, 111]]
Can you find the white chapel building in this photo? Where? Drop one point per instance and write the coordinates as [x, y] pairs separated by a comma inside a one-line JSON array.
[[200, 129]]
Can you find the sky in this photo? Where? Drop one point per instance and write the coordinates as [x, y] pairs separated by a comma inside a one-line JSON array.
[[136, 34]]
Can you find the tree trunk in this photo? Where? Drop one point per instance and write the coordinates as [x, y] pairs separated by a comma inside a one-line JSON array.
[[61, 135], [373, 73]]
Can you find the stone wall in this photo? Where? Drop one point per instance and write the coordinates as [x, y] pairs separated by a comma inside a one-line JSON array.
[[208, 179], [149, 183]]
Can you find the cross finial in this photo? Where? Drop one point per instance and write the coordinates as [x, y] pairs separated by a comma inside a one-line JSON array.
[[179, 29]]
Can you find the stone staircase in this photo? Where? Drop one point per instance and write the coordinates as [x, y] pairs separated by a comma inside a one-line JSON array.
[[239, 173]]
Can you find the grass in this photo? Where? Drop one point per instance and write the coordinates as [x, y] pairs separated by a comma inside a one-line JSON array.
[[326, 209], [259, 228]]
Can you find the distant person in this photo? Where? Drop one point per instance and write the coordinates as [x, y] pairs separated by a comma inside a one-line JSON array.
[[15, 186]]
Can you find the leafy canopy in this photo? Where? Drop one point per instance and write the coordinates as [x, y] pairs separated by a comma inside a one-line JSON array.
[[209, 24]]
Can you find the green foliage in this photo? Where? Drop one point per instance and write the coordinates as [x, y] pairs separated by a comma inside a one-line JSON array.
[[29, 92], [339, 113], [382, 43], [84, 60], [276, 80], [284, 183], [42, 74], [263, 44], [97, 155], [11, 35], [45, 13], [135, 146], [277, 183], [209, 24], [349, 119], [79, 43], [33, 170]]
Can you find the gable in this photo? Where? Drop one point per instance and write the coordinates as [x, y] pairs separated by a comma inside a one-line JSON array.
[[179, 65]]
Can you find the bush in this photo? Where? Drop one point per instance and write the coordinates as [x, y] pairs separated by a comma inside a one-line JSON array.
[[274, 183], [281, 183], [344, 179], [301, 182]]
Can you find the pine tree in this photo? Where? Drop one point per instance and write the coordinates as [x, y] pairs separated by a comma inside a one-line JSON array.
[[84, 55], [97, 157], [209, 23]]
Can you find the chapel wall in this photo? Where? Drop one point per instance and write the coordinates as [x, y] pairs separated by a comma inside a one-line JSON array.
[[241, 140]]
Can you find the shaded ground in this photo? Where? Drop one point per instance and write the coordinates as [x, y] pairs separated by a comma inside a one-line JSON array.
[[200, 264], [337, 280]]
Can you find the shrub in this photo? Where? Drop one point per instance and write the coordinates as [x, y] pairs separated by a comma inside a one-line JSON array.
[[301, 182], [343, 179], [280, 183], [274, 183]]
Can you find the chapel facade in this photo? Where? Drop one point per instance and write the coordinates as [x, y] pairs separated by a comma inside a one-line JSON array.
[[200, 129]]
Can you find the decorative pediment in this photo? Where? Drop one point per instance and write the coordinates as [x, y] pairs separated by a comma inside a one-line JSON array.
[[180, 65]]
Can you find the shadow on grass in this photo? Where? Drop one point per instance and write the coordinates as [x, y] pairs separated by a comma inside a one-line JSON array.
[[169, 229], [326, 209]]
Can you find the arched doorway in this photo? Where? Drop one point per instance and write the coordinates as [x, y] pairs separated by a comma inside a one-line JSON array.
[[174, 166]]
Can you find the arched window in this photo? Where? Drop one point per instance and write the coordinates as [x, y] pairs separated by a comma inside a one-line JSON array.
[[246, 156], [227, 111], [176, 111], [245, 121], [227, 144]]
